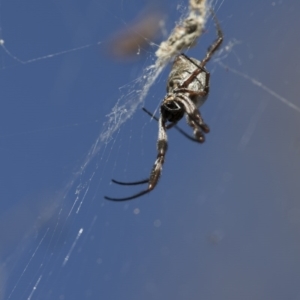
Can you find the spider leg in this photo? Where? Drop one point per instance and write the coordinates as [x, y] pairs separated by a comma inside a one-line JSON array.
[[194, 118], [128, 198], [210, 52], [162, 146], [172, 125], [193, 75], [130, 183], [216, 44], [198, 120], [197, 131], [191, 92]]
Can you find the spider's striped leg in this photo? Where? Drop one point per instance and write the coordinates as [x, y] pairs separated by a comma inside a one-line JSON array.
[[216, 44], [210, 52], [194, 119], [162, 146], [197, 131], [194, 74], [198, 120]]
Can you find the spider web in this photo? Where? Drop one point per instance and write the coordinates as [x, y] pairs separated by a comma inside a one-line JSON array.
[[59, 210], [50, 240]]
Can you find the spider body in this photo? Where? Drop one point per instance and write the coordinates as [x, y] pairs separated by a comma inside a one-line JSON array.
[[181, 70], [180, 88], [187, 90]]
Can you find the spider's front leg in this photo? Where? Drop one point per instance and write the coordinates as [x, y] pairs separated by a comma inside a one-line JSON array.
[[162, 146]]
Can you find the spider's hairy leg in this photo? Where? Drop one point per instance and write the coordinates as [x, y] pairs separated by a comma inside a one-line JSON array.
[[162, 146]]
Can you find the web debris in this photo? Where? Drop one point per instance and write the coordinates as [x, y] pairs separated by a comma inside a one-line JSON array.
[[185, 34]]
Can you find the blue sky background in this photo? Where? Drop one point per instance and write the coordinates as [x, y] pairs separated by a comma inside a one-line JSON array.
[[224, 220]]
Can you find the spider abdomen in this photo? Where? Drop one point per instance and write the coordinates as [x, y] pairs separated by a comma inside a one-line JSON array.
[[181, 71]]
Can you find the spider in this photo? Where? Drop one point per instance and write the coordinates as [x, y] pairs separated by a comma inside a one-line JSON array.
[[187, 90]]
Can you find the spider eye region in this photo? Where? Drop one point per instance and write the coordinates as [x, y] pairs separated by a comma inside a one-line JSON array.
[[172, 110]]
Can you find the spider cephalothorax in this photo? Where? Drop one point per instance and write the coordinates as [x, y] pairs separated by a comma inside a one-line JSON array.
[[172, 110], [187, 90]]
